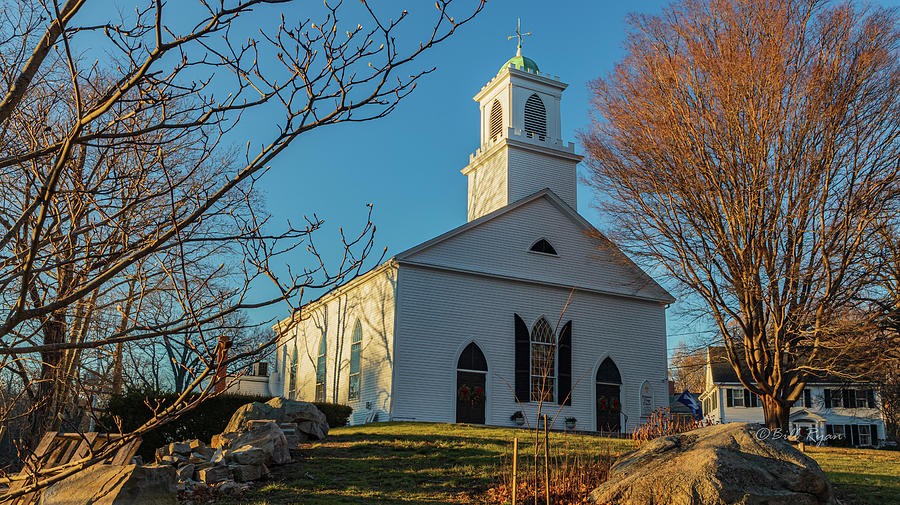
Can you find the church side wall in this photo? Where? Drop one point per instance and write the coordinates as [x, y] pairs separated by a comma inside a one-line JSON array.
[[372, 302], [531, 172], [488, 186], [442, 311]]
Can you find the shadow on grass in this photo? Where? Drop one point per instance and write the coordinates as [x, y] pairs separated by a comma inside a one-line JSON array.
[[868, 489], [417, 463]]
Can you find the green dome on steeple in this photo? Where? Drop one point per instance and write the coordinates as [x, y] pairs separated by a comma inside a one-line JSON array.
[[522, 63]]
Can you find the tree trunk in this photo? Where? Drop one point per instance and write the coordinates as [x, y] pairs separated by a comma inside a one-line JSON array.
[[776, 413]]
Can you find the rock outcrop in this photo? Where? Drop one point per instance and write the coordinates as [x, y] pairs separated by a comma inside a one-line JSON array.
[[115, 485], [718, 465], [311, 423], [263, 435]]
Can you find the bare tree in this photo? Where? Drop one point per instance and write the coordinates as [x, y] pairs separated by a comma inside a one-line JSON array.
[[688, 369], [749, 149], [129, 213]]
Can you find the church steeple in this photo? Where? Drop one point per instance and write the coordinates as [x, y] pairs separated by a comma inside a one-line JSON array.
[[521, 151]]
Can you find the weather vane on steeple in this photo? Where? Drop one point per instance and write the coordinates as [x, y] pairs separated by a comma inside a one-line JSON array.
[[519, 35]]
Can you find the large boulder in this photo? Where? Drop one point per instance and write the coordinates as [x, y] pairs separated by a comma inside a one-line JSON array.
[[311, 422], [718, 465], [266, 436], [115, 485]]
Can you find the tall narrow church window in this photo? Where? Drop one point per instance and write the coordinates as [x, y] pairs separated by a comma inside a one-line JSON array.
[[535, 117], [542, 246], [496, 120], [320, 371], [543, 369], [355, 348], [292, 384]]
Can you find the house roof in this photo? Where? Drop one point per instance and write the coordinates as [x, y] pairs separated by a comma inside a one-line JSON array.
[[723, 372]]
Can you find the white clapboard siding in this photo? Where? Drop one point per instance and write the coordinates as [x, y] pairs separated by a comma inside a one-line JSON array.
[[532, 171], [371, 301], [499, 243], [442, 311], [488, 186]]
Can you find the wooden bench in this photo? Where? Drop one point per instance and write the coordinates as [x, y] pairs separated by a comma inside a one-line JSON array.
[[57, 449]]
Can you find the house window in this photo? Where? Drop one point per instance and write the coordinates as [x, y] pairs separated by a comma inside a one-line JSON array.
[[355, 348], [320, 371], [737, 396], [543, 347], [542, 246], [715, 399], [865, 435], [838, 432], [535, 117], [807, 397], [861, 402], [496, 120], [754, 398]]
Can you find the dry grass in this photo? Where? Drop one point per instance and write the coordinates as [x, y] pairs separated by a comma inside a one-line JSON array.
[[575, 471]]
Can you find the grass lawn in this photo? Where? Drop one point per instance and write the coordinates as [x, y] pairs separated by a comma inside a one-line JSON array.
[[403, 463], [861, 476]]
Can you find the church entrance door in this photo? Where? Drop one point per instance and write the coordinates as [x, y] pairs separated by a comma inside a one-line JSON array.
[[609, 404], [471, 386]]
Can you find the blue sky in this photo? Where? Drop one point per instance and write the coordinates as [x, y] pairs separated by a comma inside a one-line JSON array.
[[408, 164]]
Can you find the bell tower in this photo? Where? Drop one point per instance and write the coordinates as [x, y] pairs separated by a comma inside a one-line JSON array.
[[521, 151]]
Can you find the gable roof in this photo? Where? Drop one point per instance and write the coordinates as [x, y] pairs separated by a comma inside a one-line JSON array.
[[649, 289], [722, 371]]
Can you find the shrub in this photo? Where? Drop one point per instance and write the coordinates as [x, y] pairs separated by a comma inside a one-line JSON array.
[[207, 419], [335, 413], [663, 423]]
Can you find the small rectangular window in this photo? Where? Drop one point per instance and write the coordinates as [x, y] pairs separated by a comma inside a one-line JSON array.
[[738, 397], [865, 436]]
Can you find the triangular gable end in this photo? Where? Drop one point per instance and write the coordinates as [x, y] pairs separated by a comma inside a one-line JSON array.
[[498, 244]]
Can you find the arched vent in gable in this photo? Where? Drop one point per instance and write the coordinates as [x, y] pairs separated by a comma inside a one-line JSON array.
[[535, 117], [542, 246], [496, 120]]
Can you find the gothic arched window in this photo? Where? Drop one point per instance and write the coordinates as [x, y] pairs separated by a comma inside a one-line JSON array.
[[496, 120], [355, 349], [543, 363], [535, 117], [320, 371]]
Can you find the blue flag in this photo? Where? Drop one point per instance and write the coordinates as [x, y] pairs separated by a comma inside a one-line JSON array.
[[692, 403]]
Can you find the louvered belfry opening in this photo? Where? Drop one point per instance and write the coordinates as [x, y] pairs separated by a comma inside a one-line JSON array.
[[535, 117], [496, 120]]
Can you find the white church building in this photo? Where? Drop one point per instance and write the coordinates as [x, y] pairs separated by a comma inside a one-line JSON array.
[[473, 325]]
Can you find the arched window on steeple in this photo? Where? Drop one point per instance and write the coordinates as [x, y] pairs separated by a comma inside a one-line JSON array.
[[320, 370], [496, 126], [535, 117]]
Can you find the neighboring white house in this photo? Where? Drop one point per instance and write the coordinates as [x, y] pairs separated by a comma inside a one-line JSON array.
[[461, 327], [255, 380], [850, 412]]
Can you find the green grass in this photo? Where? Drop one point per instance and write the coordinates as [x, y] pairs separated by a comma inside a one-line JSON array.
[[861, 476], [404, 463]]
